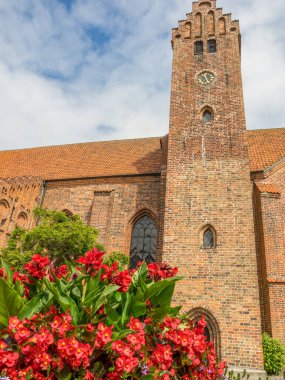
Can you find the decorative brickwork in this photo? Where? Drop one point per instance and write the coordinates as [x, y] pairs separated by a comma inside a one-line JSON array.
[[222, 228], [18, 198], [270, 222], [208, 183], [111, 205]]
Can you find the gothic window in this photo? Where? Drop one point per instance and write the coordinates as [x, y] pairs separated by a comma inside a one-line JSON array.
[[144, 241], [209, 238], [199, 47], [212, 330], [22, 220], [4, 212], [207, 334], [207, 116], [212, 46]]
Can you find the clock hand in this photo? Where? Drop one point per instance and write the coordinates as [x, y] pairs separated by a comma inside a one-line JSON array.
[[206, 78]]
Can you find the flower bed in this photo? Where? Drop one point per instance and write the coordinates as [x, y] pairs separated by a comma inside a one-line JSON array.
[[89, 320]]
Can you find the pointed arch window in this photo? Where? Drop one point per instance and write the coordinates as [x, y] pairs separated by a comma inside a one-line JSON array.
[[207, 115], [209, 238], [212, 330], [144, 241]]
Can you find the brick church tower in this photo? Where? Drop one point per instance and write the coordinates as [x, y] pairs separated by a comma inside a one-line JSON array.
[[208, 226]]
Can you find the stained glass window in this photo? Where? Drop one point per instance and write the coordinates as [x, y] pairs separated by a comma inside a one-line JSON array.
[[209, 241], [144, 241]]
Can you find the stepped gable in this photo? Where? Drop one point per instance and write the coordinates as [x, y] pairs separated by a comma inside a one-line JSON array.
[[85, 160]]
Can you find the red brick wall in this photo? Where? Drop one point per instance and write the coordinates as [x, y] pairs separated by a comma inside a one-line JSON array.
[[18, 198], [270, 213], [110, 205], [208, 184]]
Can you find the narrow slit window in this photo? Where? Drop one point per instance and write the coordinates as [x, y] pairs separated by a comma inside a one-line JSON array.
[[212, 46], [199, 47], [207, 116]]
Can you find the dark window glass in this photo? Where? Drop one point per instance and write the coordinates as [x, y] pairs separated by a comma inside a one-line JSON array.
[[207, 116], [144, 241], [212, 46], [199, 47], [207, 334], [209, 241]]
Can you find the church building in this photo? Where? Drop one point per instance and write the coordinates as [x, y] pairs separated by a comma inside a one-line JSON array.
[[209, 197]]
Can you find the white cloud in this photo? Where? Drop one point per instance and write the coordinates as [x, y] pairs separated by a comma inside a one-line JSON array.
[[102, 70]]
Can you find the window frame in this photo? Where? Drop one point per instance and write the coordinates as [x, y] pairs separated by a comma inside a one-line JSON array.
[[196, 50], [212, 43]]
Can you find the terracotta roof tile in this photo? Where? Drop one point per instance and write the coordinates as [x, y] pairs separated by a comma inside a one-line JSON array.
[[95, 159], [268, 188], [122, 157], [266, 147]]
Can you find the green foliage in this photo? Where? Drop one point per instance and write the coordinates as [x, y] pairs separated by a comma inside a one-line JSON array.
[[274, 355], [10, 302], [119, 257], [83, 295], [57, 235]]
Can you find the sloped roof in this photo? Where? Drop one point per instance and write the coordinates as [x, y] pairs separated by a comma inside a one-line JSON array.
[[121, 157], [86, 160], [266, 147], [268, 188]]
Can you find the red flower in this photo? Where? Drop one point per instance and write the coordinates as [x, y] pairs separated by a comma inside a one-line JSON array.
[[108, 271], [127, 364], [36, 266], [159, 272], [162, 356], [2, 273], [135, 324], [61, 271], [122, 279], [92, 260], [103, 335]]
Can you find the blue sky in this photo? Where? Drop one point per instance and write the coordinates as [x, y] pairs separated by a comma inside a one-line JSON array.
[[87, 70]]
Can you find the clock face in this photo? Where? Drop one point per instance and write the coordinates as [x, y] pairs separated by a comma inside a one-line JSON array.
[[206, 78]]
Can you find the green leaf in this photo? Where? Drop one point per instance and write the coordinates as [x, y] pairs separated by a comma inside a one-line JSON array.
[[147, 377], [127, 300], [8, 272], [64, 301], [10, 303], [155, 288], [64, 374], [108, 290], [112, 315], [164, 298], [139, 306], [32, 307]]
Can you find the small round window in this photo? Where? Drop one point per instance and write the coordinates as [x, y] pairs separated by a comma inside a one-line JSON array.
[[207, 116]]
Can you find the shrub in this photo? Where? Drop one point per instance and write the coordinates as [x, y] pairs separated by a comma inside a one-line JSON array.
[[90, 320], [56, 234], [119, 257], [274, 355]]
